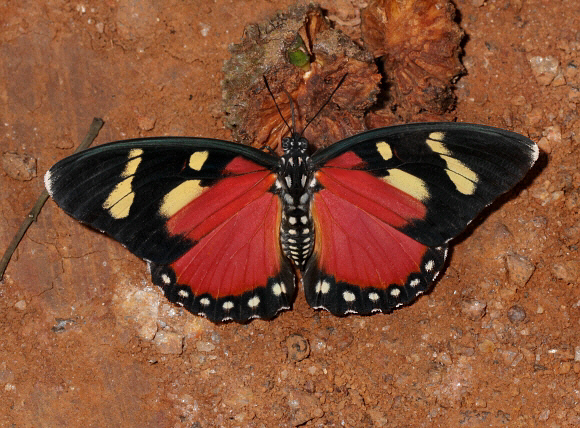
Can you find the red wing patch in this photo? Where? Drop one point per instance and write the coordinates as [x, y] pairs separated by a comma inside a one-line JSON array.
[[235, 269], [361, 262]]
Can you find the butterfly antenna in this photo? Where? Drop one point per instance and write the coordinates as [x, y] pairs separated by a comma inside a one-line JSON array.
[[292, 109], [279, 111], [325, 103]]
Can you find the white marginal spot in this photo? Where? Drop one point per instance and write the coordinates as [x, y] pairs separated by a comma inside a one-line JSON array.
[[204, 301], [48, 182], [373, 296], [292, 232], [278, 184], [303, 180], [313, 182], [288, 199], [305, 231], [276, 289], [348, 296], [395, 292], [304, 219], [322, 287], [288, 181], [304, 198], [183, 293], [166, 280], [291, 162], [197, 159], [228, 305], [292, 220], [429, 265], [306, 240], [415, 282], [292, 241], [292, 247], [254, 302]]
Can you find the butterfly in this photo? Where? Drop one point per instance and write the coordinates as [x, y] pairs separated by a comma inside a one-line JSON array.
[[224, 227]]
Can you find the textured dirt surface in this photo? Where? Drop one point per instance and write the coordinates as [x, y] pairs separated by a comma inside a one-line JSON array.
[[85, 340]]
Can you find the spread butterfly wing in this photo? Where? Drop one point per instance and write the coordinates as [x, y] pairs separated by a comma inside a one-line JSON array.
[[202, 212], [389, 200]]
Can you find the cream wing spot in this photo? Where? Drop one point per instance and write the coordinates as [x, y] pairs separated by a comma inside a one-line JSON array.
[[415, 282], [292, 220], [179, 197], [133, 164], [197, 159], [120, 199], [373, 296], [204, 301], [461, 175], [395, 292], [429, 265], [384, 150], [183, 293], [227, 306], [438, 135], [166, 280], [407, 183]]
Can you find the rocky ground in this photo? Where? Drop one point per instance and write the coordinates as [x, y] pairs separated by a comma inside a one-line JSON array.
[[86, 340]]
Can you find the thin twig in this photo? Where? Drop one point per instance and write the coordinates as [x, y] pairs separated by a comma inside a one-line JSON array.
[[96, 126]]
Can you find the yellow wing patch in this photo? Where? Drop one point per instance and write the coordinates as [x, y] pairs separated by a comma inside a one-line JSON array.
[[179, 197], [407, 183], [465, 179], [384, 150], [197, 159], [121, 197]]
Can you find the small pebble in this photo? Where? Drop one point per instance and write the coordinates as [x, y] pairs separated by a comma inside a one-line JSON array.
[[20, 305], [520, 269], [146, 123], [516, 314], [18, 166], [568, 271], [545, 69], [473, 309], [202, 346], [168, 342], [297, 347]]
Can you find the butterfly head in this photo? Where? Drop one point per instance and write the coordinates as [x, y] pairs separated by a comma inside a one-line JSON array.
[[295, 145]]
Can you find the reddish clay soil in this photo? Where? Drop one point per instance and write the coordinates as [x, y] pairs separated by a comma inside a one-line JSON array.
[[86, 340]]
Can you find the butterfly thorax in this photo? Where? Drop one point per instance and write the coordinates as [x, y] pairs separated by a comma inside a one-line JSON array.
[[294, 178]]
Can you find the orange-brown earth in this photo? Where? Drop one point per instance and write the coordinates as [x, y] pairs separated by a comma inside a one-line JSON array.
[[85, 340]]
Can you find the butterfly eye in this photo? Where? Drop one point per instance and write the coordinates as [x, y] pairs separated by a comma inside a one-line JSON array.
[[286, 143]]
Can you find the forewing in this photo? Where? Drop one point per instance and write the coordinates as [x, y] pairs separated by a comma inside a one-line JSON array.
[[200, 211]]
